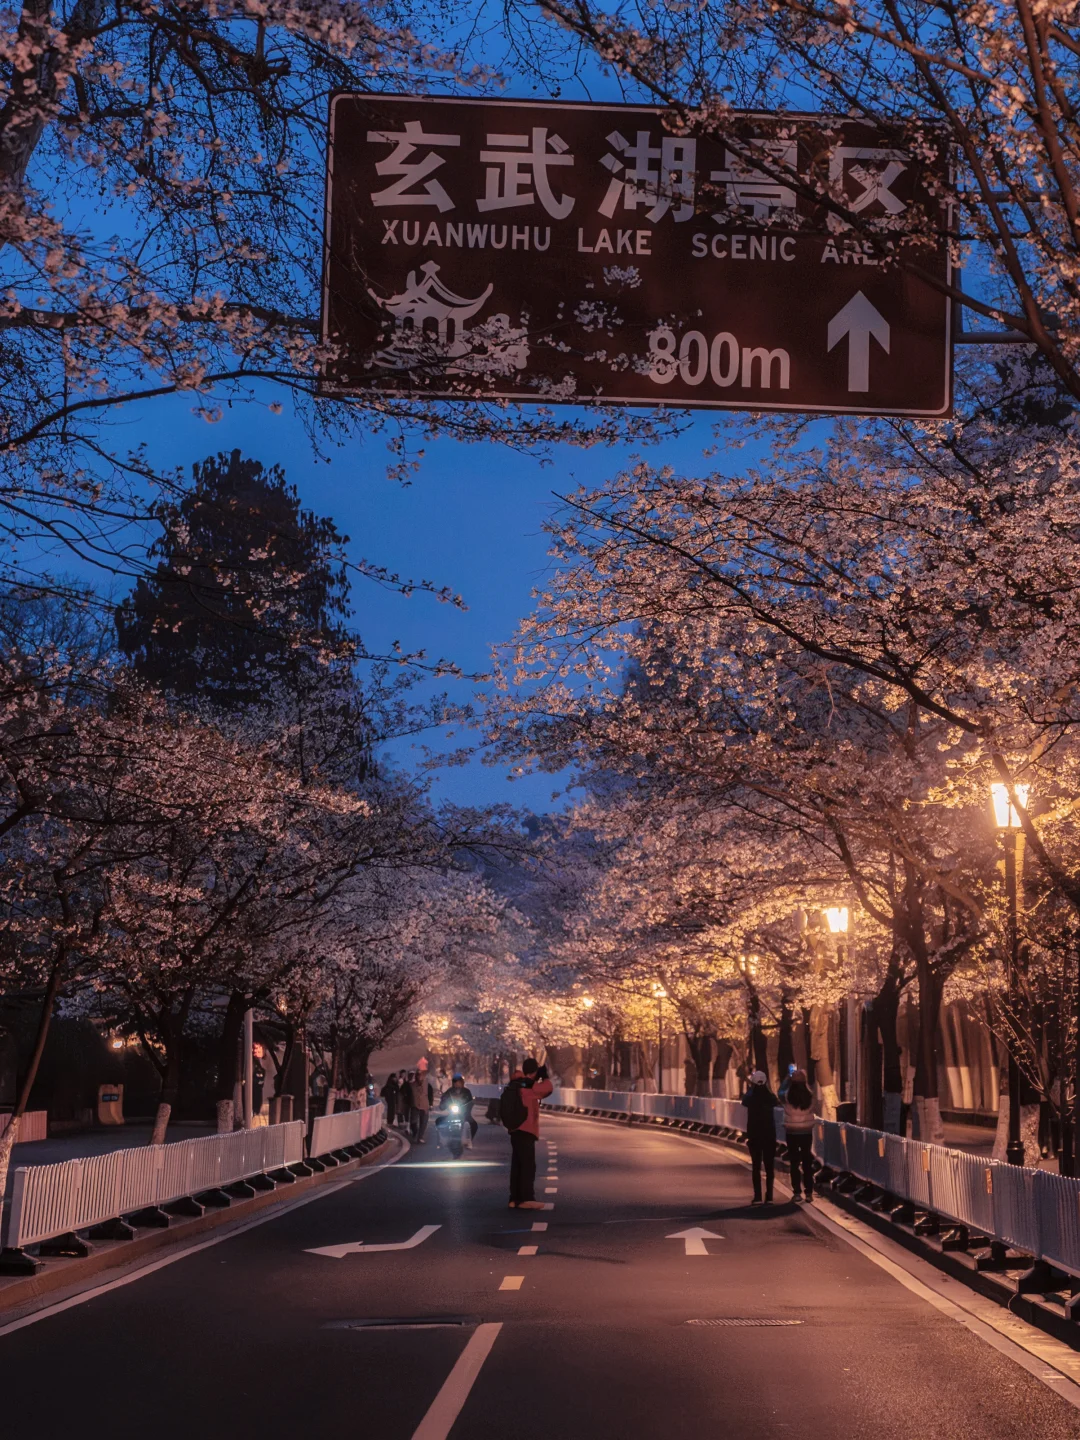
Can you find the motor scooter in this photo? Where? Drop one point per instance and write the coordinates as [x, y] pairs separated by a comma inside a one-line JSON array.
[[455, 1129]]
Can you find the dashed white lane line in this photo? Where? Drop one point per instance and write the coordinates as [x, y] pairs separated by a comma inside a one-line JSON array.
[[528, 1249], [552, 1190], [448, 1403], [549, 1205], [510, 1282], [540, 1224]]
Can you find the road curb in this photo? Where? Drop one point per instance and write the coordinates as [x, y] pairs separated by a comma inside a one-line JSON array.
[[61, 1274]]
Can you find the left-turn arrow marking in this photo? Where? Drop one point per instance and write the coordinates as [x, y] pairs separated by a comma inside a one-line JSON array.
[[357, 1247]]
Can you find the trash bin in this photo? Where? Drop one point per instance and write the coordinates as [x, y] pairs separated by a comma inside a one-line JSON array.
[[110, 1104]]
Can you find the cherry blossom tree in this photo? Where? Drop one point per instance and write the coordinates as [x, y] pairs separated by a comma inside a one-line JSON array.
[[162, 180], [804, 637]]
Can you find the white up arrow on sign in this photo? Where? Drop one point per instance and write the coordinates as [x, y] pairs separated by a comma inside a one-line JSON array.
[[859, 320], [695, 1239], [357, 1247]]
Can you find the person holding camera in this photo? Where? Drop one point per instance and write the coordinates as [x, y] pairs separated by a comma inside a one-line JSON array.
[[519, 1110]]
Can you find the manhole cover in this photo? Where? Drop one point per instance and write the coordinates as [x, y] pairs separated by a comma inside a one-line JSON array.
[[733, 1320], [404, 1322]]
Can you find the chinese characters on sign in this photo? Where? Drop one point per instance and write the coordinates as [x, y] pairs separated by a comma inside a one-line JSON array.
[[543, 252]]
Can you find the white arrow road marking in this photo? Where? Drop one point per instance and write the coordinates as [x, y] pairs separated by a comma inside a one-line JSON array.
[[357, 1247], [859, 320], [695, 1239]]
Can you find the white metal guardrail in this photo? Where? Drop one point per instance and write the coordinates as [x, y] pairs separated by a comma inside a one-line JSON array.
[[52, 1200], [700, 1109], [1034, 1211], [348, 1127], [33, 1125]]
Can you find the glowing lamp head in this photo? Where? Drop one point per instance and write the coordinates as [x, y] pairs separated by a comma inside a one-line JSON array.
[[837, 919], [116, 1042], [658, 991], [1006, 815], [588, 1002]]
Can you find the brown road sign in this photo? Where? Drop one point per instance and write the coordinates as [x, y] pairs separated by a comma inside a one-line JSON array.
[[563, 252]]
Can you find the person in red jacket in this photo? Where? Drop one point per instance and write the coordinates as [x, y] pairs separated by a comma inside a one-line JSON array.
[[533, 1083]]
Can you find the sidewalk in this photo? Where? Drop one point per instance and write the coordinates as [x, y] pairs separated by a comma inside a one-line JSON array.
[[974, 1139]]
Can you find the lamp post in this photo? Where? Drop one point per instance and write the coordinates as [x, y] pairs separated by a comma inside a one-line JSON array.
[[748, 964], [1007, 819], [661, 995], [837, 918]]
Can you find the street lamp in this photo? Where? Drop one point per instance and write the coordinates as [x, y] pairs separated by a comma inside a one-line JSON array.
[[661, 995], [588, 1002], [837, 919], [1007, 820]]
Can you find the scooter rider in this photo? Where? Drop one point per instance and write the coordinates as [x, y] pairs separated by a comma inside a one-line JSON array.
[[458, 1094]]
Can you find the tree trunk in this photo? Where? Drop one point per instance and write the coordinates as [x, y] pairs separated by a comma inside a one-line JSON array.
[[721, 1061], [701, 1051], [286, 1057], [358, 1062], [820, 1016], [170, 1088], [886, 1012], [171, 1029], [1029, 1126], [48, 1004], [926, 1107], [228, 1075]]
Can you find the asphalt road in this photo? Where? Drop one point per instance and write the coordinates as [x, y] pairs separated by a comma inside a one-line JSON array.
[[597, 1343]]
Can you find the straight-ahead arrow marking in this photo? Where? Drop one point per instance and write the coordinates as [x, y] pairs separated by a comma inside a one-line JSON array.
[[859, 320], [357, 1247], [695, 1239]]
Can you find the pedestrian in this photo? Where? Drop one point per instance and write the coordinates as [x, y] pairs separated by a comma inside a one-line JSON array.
[[760, 1103], [421, 1104], [403, 1099], [389, 1093], [799, 1130], [519, 1110]]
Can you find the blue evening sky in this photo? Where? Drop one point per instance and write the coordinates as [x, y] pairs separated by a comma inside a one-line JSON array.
[[471, 519]]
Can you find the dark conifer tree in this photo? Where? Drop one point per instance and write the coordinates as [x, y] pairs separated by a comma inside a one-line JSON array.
[[249, 590]]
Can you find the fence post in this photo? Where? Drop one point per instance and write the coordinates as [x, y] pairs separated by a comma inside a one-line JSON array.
[[13, 1258]]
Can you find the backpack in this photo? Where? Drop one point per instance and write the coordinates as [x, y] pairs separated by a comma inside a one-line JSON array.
[[513, 1112]]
